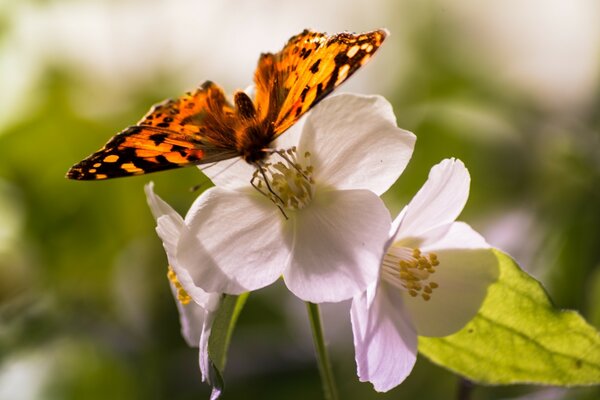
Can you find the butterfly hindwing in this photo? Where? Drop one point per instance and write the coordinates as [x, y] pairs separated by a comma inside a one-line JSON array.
[[310, 66], [196, 128]]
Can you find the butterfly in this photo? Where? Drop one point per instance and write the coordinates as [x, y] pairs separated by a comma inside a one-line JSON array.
[[204, 126]]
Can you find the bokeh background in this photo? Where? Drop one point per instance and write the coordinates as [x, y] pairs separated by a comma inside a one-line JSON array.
[[512, 88]]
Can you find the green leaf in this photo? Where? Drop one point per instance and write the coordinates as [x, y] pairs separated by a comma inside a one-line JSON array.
[[518, 336], [220, 336]]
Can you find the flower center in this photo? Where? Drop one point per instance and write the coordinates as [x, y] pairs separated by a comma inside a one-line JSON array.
[[410, 270], [183, 297], [287, 183]]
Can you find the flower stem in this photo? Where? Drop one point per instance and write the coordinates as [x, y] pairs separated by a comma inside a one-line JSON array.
[[325, 370]]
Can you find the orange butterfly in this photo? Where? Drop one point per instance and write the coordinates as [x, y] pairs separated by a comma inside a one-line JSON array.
[[204, 127]]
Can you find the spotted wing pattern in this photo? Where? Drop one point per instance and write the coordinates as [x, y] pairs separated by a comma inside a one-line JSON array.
[[195, 128], [310, 67], [203, 127]]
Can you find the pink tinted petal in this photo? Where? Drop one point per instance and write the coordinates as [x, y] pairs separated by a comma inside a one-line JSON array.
[[385, 341], [338, 242], [438, 203], [355, 143], [463, 276], [233, 242]]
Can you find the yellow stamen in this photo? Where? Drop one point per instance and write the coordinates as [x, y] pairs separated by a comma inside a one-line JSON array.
[[183, 297], [409, 269], [289, 182]]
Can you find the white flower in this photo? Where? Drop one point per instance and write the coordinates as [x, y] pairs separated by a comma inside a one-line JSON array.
[[196, 307], [319, 221], [433, 279]]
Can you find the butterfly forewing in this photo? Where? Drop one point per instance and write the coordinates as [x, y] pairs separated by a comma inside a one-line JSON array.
[[309, 67], [193, 129]]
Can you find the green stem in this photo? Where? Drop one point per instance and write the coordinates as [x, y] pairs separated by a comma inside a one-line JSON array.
[[325, 370]]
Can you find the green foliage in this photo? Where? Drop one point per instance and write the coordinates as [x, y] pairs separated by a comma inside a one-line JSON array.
[[518, 336]]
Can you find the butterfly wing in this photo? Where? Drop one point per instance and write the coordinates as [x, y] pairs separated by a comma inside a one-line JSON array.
[[306, 70], [196, 128]]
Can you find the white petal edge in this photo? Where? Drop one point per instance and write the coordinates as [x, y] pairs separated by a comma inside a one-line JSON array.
[[191, 319], [438, 203], [355, 143], [233, 242], [385, 341], [231, 174], [338, 245], [169, 226], [203, 357], [464, 275]]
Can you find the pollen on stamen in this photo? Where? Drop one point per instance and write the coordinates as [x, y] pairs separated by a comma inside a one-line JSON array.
[[287, 183], [410, 270], [182, 296]]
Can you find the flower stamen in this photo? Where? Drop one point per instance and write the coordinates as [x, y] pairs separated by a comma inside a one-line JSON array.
[[182, 296], [411, 270], [289, 183]]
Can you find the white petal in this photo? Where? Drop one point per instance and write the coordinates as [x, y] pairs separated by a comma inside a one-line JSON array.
[[338, 244], [169, 226], [385, 341], [191, 318], [438, 203], [463, 275], [234, 242], [203, 358], [291, 137], [229, 174], [459, 236], [355, 143], [157, 205]]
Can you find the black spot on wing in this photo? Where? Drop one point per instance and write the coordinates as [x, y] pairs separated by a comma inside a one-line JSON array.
[[315, 67]]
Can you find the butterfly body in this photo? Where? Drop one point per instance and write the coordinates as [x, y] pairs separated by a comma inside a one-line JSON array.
[[204, 126]]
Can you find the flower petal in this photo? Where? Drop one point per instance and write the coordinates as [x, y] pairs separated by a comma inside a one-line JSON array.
[[463, 276], [196, 324], [355, 143], [191, 318], [158, 206], [233, 243], [229, 174], [438, 203], [169, 226], [203, 357], [385, 341], [338, 242]]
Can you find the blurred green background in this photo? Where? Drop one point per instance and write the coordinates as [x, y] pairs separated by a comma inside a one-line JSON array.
[[512, 88]]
